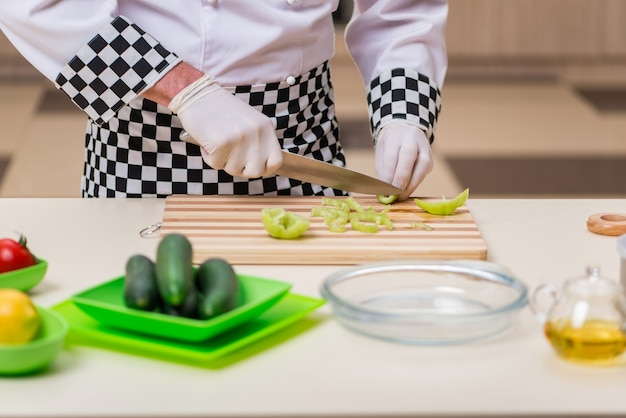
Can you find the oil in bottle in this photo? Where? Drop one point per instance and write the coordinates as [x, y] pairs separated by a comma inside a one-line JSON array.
[[594, 340]]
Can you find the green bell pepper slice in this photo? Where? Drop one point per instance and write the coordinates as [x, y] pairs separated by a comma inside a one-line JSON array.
[[338, 213], [369, 221], [387, 199], [443, 206], [335, 217], [361, 223], [283, 224]]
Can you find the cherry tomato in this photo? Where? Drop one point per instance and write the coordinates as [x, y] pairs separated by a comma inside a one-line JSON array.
[[15, 255]]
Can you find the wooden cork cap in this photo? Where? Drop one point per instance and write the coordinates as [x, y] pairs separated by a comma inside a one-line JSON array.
[[613, 224]]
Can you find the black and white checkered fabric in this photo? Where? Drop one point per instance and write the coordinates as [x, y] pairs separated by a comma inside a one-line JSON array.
[[133, 147], [138, 153], [117, 64], [404, 94]]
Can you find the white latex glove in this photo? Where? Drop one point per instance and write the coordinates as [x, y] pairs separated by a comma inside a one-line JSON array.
[[403, 156], [232, 135]]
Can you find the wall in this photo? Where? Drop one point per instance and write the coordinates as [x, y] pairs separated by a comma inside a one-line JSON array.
[[578, 39]]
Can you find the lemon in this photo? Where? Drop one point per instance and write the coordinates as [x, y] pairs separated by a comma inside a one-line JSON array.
[[19, 319]]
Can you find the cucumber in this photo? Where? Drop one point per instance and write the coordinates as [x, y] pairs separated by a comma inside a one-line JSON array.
[[188, 309], [174, 270], [140, 287], [219, 287]]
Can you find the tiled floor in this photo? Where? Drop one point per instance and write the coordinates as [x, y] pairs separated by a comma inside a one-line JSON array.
[[535, 137]]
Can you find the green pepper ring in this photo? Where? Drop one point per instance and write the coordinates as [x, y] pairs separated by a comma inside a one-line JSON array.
[[387, 199], [283, 224]]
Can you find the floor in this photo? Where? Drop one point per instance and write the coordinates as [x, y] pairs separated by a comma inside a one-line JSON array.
[[502, 137]]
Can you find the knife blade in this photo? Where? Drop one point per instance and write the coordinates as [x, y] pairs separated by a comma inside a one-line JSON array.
[[319, 172], [314, 171]]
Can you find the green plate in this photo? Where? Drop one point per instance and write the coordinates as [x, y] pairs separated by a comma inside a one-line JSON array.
[[26, 278], [105, 303], [85, 330], [35, 355]]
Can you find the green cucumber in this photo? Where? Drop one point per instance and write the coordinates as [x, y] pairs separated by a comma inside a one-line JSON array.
[[140, 287], [219, 287], [188, 309], [174, 269]]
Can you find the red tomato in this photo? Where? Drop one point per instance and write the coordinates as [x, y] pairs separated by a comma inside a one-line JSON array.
[[15, 255]]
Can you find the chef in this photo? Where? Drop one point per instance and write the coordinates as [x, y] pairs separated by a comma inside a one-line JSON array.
[[244, 79]]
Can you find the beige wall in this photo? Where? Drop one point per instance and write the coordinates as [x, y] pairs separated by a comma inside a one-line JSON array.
[[537, 29], [584, 39]]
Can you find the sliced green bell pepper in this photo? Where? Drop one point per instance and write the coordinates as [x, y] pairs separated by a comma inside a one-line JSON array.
[[283, 224], [335, 217], [387, 199], [443, 206], [337, 213]]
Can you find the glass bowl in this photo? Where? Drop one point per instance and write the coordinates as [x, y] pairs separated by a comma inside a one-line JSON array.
[[426, 302], [35, 355], [25, 278]]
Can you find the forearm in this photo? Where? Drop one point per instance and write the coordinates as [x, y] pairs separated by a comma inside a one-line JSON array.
[[172, 83]]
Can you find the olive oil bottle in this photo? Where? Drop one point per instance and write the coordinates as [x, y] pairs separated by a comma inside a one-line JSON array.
[[594, 340], [586, 321]]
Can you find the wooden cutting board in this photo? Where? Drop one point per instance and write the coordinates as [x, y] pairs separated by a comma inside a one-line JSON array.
[[230, 227]]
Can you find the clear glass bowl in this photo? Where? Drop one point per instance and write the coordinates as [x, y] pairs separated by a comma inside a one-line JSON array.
[[426, 302]]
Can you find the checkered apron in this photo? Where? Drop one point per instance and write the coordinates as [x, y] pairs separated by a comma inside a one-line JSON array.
[[138, 153]]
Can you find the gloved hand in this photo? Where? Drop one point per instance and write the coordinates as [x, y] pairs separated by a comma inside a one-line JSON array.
[[232, 135], [403, 156]]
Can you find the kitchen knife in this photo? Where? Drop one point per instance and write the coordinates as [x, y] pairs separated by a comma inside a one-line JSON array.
[[314, 171]]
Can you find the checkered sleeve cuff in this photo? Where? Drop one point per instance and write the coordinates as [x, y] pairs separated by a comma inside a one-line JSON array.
[[403, 94], [113, 68]]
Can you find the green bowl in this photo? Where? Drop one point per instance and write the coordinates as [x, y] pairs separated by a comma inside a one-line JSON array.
[[105, 303], [36, 354], [25, 278]]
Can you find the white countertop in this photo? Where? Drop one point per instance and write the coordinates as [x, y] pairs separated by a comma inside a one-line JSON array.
[[325, 369]]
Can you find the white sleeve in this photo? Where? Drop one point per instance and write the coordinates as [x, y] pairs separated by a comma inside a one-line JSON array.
[[101, 60], [49, 33], [399, 48]]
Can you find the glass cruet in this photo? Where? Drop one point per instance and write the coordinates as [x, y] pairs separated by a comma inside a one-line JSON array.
[[586, 320]]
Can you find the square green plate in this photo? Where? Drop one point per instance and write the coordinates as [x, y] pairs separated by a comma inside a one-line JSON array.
[[86, 330], [105, 303]]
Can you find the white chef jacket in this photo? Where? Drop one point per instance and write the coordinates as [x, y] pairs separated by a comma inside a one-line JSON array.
[[103, 54], [240, 42]]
